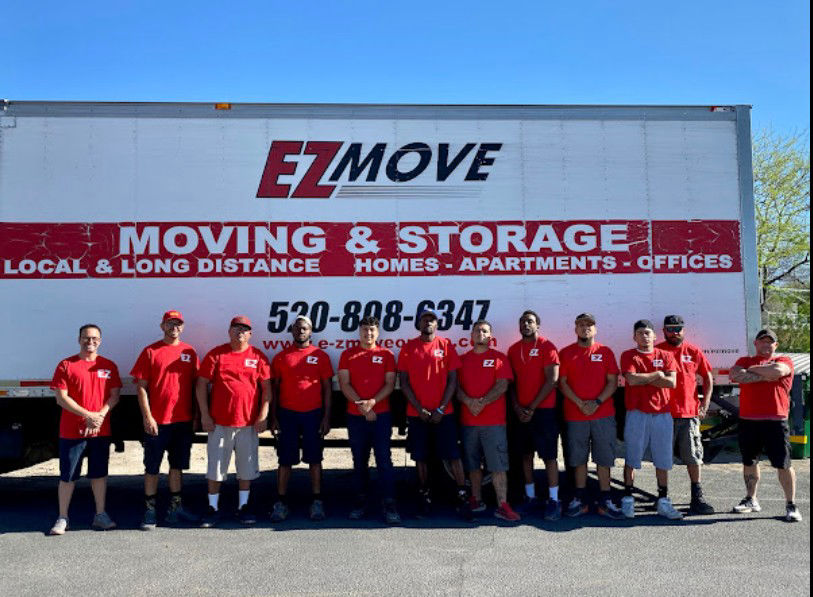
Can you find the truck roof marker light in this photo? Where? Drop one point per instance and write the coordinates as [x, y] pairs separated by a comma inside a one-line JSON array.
[[223, 106]]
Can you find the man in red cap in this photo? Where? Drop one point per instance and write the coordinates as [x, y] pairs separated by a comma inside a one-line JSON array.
[[87, 388], [165, 375], [236, 416], [765, 380], [687, 407]]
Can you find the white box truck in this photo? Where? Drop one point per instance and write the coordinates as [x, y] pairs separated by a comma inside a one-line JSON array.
[[113, 213]]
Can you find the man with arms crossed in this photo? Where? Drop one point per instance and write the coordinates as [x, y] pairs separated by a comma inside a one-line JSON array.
[[302, 380], [484, 376], [649, 372], [533, 398], [87, 388], [235, 417], [765, 380], [165, 375], [428, 368], [367, 378], [588, 377], [687, 408]]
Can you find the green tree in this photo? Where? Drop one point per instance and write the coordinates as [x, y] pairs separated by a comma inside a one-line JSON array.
[[782, 197]]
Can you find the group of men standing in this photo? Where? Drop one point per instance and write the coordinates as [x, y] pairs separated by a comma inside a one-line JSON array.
[[240, 393]]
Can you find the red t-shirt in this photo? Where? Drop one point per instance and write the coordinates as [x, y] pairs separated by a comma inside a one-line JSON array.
[[586, 369], [234, 377], [690, 362], [368, 369], [528, 360], [765, 399], [478, 374], [88, 383], [648, 398], [300, 372], [170, 374], [428, 364]]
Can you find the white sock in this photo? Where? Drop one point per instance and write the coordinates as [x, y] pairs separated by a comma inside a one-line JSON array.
[[530, 490], [213, 498], [554, 493], [243, 493]]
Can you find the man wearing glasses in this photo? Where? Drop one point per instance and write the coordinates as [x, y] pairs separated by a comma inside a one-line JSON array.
[[165, 375], [687, 407], [236, 416]]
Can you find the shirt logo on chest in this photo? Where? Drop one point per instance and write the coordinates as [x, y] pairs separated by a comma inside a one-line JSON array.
[[378, 360], [657, 362], [312, 360], [597, 358], [103, 373], [488, 363], [686, 358], [252, 363], [439, 353], [534, 352], [186, 358]]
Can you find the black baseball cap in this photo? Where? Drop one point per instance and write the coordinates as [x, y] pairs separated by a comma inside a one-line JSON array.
[[587, 317], [673, 320], [643, 324], [428, 312], [767, 332]]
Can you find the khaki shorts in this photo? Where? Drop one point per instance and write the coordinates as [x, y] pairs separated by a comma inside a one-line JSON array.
[[688, 441], [244, 442]]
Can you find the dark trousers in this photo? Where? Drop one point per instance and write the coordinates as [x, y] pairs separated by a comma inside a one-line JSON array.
[[364, 436]]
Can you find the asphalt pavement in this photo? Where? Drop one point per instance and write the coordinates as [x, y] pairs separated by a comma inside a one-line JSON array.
[[723, 554]]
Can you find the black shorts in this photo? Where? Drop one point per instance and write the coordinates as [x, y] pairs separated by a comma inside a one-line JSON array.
[[540, 434], [443, 436], [73, 451], [295, 426], [173, 438], [769, 437]]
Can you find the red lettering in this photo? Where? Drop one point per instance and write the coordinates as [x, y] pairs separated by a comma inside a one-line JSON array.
[[275, 166], [323, 344], [309, 187]]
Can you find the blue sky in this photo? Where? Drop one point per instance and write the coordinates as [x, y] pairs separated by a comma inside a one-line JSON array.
[[419, 52]]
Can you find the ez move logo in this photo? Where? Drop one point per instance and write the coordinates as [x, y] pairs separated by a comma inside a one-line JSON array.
[[403, 164]]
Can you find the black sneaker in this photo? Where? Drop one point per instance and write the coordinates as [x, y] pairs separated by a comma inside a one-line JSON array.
[[359, 508], [391, 515], [246, 516], [211, 519], [464, 508], [699, 505], [179, 514], [150, 520]]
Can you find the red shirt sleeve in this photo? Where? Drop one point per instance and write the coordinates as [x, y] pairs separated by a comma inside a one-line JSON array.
[[141, 369], [669, 363], [452, 358], [627, 363], [742, 362], [612, 365], [550, 356], [389, 362], [264, 372], [115, 380], [343, 358], [207, 368], [703, 365], [60, 379], [504, 368], [326, 366], [403, 359]]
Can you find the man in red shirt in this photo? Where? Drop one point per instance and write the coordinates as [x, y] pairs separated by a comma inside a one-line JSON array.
[[484, 376], [588, 378], [165, 375], [87, 388], [235, 417], [649, 373], [687, 408], [367, 378], [765, 380], [302, 382], [428, 368], [533, 398]]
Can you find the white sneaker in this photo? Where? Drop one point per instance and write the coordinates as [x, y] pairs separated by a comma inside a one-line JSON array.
[[792, 513], [60, 526], [747, 505], [628, 506], [667, 510]]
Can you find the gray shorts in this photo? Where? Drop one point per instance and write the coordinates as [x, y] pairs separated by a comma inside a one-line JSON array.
[[244, 442], [596, 436], [485, 440], [645, 430], [687, 439]]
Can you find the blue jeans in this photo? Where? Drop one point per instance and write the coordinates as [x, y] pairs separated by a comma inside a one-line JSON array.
[[365, 435]]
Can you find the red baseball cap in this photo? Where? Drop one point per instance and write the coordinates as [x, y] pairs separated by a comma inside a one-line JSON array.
[[240, 320], [172, 315]]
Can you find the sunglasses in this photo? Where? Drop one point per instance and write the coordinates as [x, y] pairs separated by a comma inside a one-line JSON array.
[[675, 329]]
